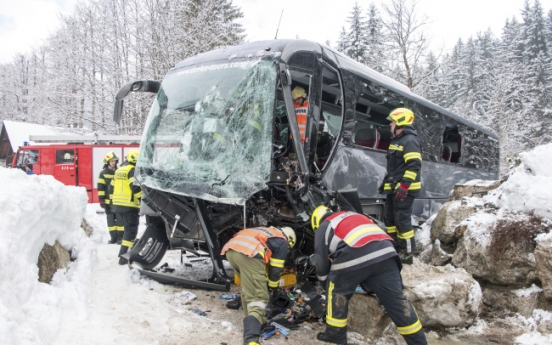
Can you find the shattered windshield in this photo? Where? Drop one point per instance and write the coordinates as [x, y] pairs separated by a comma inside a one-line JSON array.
[[209, 132]]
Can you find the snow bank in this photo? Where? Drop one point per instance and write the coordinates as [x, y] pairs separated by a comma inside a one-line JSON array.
[[528, 187], [36, 210]]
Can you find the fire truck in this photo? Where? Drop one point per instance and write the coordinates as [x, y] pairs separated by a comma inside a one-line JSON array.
[[74, 160]]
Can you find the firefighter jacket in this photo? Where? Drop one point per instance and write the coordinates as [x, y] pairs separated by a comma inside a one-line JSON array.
[[267, 244], [301, 113], [104, 182], [404, 163], [347, 241], [123, 192]]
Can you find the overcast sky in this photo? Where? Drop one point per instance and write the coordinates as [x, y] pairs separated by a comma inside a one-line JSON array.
[[27, 23]]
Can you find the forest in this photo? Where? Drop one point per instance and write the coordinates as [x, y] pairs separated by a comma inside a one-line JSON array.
[[502, 83]]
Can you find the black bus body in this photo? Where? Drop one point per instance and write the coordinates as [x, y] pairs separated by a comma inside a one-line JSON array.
[[221, 150]]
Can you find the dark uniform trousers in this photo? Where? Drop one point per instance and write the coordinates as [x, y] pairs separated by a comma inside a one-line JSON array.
[[384, 280], [397, 213], [131, 219], [115, 224]]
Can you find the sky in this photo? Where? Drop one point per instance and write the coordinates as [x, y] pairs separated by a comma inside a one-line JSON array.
[[27, 23], [99, 302]]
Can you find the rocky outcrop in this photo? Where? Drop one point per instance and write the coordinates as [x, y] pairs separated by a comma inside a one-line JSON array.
[[50, 259], [445, 291], [444, 227], [543, 256], [476, 188]]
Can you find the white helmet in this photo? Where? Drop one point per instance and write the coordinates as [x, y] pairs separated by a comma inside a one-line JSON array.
[[290, 234]]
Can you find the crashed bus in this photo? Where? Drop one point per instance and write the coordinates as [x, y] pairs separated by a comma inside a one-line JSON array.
[[221, 149]]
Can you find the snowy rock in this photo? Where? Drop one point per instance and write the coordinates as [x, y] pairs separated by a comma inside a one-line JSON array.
[[543, 256], [448, 219], [499, 249], [438, 256], [503, 299], [50, 259], [443, 296], [474, 188]]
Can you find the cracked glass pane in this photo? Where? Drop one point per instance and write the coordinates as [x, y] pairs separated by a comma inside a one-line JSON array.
[[209, 132]]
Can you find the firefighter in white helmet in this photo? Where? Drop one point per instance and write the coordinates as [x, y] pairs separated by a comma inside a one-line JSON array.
[[249, 251]]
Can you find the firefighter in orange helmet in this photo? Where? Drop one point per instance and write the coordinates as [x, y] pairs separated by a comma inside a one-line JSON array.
[[249, 251], [301, 105]]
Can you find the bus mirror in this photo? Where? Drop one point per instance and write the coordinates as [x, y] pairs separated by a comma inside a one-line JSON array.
[[133, 86]]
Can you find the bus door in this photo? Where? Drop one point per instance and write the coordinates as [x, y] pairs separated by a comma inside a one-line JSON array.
[[64, 169]]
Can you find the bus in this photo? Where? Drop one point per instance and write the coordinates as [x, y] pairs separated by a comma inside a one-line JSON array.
[[221, 149]]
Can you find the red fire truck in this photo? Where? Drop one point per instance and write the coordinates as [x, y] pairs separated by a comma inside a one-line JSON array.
[[73, 160]]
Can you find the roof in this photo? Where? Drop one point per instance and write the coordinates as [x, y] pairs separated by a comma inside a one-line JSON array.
[[18, 132]]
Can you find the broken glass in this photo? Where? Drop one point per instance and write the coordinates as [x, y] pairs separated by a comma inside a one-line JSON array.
[[209, 132]]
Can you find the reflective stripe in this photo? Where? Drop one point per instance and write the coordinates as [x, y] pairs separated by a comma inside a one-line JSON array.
[[333, 244], [360, 232], [339, 323], [109, 176], [256, 304], [101, 193], [362, 259], [415, 186], [254, 124], [387, 186], [277, 262], [322, 277], [273, 283], [219, 137], [391, 229], [412, 155], [101, 180], [409, 174], [395, 147], [126, 243], [411, 329], [406, 235], [112, 228]]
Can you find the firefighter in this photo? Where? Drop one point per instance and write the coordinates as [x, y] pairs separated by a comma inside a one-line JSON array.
[[249, 251], [301, 106], [125, 198], [351, 250], [114, 224], [402, 182]]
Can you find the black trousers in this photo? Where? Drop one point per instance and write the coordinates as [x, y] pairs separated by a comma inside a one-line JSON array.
[[384, 280], [131, 220], [115, 224], [397, 216]]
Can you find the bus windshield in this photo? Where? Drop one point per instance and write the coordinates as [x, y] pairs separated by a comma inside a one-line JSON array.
[[209, 131]]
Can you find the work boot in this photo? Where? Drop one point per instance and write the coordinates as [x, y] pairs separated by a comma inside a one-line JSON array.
[[234, 303], [323, 336], [113, 235], [123, 261], [251, 330]]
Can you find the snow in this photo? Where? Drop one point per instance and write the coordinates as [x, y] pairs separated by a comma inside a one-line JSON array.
[[18, 132], [97, 301]]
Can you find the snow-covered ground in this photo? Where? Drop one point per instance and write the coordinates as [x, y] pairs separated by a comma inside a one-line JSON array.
[[97, 301]]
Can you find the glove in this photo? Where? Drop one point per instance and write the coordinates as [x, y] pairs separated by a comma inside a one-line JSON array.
[[380, 188], [102, 205], [401, 192]]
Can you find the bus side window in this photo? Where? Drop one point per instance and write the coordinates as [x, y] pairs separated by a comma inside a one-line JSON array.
[[452, 142], [385, 138]]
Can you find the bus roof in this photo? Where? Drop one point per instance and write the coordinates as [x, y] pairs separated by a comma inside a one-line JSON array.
[[283, 49]]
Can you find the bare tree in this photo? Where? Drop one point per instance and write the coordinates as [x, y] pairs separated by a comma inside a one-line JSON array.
[[409, 42]]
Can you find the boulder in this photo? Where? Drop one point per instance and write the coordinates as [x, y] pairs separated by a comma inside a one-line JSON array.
[[474, 188], [448, 219], [499, 249], [88, 230], [504, 300], [439, 257], [543, 257], [50, 259], [442, 297]]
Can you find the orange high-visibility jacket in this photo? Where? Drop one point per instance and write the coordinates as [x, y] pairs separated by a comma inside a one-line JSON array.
[[252, 241]]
